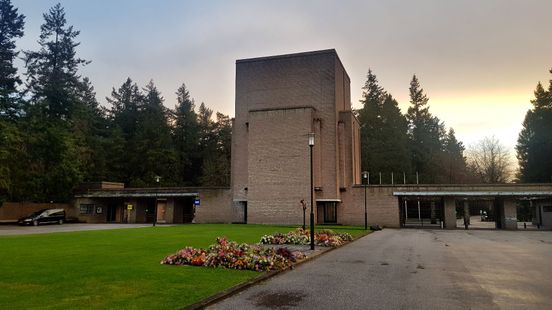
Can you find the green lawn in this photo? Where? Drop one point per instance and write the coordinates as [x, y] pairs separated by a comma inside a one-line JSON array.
[[118, 268]]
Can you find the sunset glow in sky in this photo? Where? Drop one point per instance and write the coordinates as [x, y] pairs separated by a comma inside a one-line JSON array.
[[478, 61]]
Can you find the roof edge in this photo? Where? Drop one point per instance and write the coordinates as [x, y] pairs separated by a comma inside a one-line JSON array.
[[301, 54]]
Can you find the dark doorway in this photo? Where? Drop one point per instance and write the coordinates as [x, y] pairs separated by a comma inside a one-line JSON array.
[[327, 212], [244, 204], [111, 213], [184, 210], [149, 215], [421, 212]]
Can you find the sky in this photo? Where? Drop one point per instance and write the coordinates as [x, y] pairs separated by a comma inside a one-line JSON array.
[[478, 60]]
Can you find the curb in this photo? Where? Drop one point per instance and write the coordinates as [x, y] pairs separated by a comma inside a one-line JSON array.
[[243, 286]]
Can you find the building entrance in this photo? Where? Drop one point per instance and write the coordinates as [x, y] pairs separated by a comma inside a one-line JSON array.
[[421, 213]]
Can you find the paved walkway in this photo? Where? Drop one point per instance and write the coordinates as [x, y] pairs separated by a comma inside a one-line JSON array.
[[417, 269], [10, 230]]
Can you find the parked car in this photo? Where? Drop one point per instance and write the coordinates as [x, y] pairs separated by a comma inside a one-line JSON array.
[[44, 216]]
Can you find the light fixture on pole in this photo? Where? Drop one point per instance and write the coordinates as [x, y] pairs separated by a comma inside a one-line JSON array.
[[157, 180], [365, 177], [311, 145]]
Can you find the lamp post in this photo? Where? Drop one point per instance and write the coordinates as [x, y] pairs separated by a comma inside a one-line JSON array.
[[365, 177], [304, 206], [157, 179], [311, 145]]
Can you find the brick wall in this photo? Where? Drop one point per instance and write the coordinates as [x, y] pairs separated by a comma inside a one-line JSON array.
[[269, 133], [279, 165], [216, 207], [382, 206], [290, 81]]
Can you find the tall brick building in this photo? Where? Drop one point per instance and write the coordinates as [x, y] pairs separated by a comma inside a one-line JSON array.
[[279, 101]]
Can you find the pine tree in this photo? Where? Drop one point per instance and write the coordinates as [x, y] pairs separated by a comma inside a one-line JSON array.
[[155, 155], [12, 153], [384, 139], [426, 134], [535, 139], [454, 163], [11, 27], [91, 131], [53, 160], [394, 138], [186, 138], [216, 163], [371, 124], [126, 105], [52, 76]]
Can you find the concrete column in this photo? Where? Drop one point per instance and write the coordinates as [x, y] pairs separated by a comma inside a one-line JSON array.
[[466, 213], [433, 220], [510, 214], [450, 213]]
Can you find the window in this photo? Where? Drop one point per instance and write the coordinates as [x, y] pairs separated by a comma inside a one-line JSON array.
[[86, 208], [547, 208]]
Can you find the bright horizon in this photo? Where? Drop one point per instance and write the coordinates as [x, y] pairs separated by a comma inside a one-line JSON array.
[[478, 62]]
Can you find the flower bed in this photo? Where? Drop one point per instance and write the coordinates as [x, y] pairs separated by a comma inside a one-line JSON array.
[[229, 254], [325, 237]]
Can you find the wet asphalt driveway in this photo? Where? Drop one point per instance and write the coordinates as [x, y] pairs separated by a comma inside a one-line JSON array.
[[417, 269], [13, 230]]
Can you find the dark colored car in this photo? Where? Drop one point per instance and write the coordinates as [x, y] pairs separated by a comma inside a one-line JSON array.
[[44, 216]]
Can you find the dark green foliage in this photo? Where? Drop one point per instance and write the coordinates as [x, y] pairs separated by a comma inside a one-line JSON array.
[[427, 138], [454, 166], [11, 27], [214, 145], [52, 77], [11, 153], [383, 132], [51, 147], [416, 143], [534, 145], [183, 147], [154, 154], [89, 127], [186, 138]]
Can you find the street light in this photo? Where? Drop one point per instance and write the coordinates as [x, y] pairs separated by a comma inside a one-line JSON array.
[[365, 177], [311, 145], [157, 179]]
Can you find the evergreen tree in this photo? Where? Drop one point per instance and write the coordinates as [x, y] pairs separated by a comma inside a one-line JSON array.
[[216, 163], [126, 105], [384, 140], [12, 151], [52, 76], [11, 27], [426, 134], [394, 138], [54, 163], [369, 117], [186, 138], [154, 155], [90, 129], [454, 163], [535, 139]]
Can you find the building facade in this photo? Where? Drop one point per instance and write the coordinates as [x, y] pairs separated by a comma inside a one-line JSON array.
[[279, 101]]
